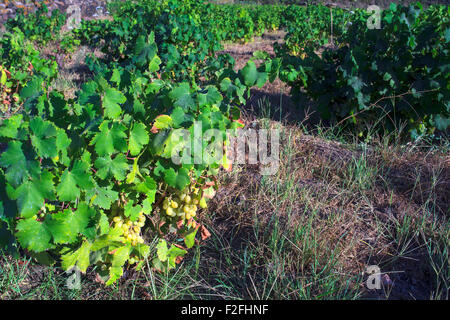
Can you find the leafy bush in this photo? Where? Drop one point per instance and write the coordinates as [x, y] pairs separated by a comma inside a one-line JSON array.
[[87, 181], [20, 63], [73, 167]]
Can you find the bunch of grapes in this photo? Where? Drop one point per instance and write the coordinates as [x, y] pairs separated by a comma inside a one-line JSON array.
[[184, 204], [131, 229]]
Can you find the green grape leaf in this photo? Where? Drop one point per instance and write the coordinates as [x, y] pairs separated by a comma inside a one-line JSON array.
[[102, 197], [63, 226], [162, 122], [178, 179], [79, 257], [14, 160], [62, 145], [10, 127], [172, 255], [115, 77], [250, 74], [189, 239], [441, 122], [44, 138], [180, 118], [33, 235], [113, 236], [131, 176], [148, 187], [111, 100], [67, 190], [82, 174], [153, 66], [104, 224], [108, 167], [161, 250], [30, 195], [212, 96], [82, 217], [131, 211], [111, 137], [120, 256], [138, 138], [182, 96]]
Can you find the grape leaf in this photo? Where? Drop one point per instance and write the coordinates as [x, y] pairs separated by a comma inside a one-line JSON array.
[[63, 226], [189, 239], [14, 160], [120, 256], [161, 250], [33, 235], [43, 138], [108, 167], [138, 138], [31, 194], [10, 126], [111, 99], [178, 179], [212, 96], [67, 190], [182, 96], [102, 197], [111, 137], [79, 257], [131, 211]]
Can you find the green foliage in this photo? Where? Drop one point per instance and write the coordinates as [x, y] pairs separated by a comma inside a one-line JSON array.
[[20, 63], [38, 26], [399, 73], [71, 168]]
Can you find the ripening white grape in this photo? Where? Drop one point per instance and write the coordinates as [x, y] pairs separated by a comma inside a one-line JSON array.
[[170, 212], [202, 203]]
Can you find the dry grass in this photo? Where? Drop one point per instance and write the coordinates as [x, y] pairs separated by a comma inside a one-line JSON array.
[[365, 205]]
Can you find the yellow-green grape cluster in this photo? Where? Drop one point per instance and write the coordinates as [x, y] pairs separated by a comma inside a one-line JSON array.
[[184, 204], [131, 229]]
